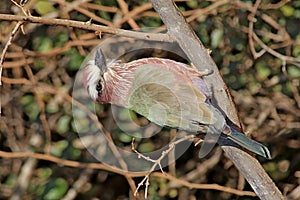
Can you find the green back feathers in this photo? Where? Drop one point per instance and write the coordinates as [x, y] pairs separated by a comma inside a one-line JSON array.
[[168, 98]]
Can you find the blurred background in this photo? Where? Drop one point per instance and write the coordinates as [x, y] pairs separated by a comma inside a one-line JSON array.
[[255, 44]]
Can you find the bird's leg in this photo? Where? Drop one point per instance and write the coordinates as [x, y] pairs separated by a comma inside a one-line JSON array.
[[206, 72], [200, 135], [199, 123], [208, 137], [202, 126]]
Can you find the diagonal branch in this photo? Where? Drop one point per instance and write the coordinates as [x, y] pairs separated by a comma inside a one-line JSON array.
[[199, 56]]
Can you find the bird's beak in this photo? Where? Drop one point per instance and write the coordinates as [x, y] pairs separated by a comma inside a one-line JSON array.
[[100, 61]]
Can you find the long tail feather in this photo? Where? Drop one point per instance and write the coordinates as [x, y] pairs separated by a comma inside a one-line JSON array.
[[249, 144]]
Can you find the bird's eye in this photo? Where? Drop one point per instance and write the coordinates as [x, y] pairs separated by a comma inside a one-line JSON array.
[[99, 87]]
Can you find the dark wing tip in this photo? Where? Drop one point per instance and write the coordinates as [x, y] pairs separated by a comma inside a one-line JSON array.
[[267, 153]]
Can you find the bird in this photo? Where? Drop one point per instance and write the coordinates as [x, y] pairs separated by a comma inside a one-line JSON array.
[[166, 92]]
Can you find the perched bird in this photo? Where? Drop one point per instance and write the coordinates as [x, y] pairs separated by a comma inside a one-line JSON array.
[[166, 92]]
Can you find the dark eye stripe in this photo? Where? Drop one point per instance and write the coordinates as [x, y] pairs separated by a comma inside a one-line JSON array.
[[99, 87]]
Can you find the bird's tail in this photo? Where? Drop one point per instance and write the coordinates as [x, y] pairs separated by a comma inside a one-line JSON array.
[[253, 146]]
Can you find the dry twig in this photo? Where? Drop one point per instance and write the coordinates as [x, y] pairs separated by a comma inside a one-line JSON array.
[[157, 161], [8, 43]]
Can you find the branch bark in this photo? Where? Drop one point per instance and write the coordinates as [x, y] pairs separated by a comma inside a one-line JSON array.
[[99, 29], [179, 29]]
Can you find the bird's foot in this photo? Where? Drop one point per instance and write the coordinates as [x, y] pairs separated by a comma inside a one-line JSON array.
[[198, 142], [198, 123]]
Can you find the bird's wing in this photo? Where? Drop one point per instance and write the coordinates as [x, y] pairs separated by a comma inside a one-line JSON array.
[[168, 98]]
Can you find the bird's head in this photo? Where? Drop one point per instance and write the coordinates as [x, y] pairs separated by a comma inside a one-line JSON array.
[[93, 74], [107, 83]]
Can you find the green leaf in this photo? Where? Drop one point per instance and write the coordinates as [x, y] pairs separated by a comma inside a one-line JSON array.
[[30, 107], [82, 123], [294, 71], [43, 44], [44, 7], [75, 153], [104, 15], [44, 173], [26, 100], [52, 107], [287, 10], [63, 124], [151, 22], [58, 190], [296, 51], [125, 138], [58, 148], [192, 3], [146, 147], [75, 59], [216, 37], [173, 193], [10, 180], [60, 39], [263, 70]]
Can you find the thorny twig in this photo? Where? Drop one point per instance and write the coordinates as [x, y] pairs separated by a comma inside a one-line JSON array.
[[10, 39], [157, 161], [9, 42], [88, 26]]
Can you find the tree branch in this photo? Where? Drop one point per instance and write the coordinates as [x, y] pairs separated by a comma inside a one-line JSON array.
[[99, 29], [199, 56], [91, 165]]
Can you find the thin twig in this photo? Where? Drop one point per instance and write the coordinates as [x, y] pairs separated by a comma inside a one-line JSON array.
[[250, 33], [124, 7], [202, 11], [42, 107], [274, 6], [77, 186], [8, 43], [135, 12], [183, 182], [100, 7], [19, 56], [89, 14], [284, 58], [157, 161]]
